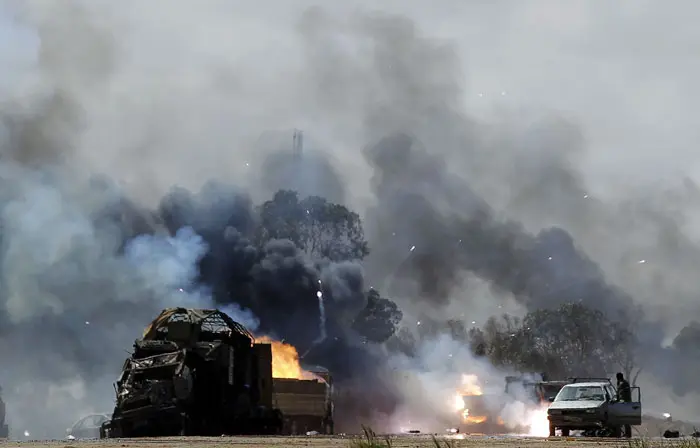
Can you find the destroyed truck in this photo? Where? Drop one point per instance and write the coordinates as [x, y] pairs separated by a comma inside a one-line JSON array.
[[306, 404], [194, 372], [540, 392]]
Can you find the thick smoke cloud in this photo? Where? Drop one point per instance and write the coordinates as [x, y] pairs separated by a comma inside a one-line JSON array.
[[480, 194]]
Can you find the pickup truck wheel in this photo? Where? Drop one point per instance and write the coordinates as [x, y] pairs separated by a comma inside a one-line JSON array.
[[565, 432], [552, 430], [616, 431]]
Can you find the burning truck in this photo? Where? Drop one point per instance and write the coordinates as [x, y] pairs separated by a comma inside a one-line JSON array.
[[521, 407], [478, 412], [198, 372]]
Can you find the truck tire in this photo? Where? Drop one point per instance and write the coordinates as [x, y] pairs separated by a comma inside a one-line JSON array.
[[616, 431], [565, 432], [552, 431]]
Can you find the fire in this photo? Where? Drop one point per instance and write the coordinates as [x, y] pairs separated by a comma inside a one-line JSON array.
[[470, 388], [472, 418], [470, 385], [285, 361], [538, 422], [459, 403]]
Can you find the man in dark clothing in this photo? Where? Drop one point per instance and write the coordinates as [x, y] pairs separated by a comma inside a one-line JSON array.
[[624, 393]]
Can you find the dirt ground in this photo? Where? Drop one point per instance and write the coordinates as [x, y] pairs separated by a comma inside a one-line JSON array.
[[316, 442]]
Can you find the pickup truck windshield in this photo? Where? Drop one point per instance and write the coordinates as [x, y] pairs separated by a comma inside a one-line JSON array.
[[581, 393]]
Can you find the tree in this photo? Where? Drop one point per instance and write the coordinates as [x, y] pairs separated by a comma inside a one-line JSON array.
[[499, 340], [687, 341], [379, 320], [571, 340], [627, 351], [321, 228]]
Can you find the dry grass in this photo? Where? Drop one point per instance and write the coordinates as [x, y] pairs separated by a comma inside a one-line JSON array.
[[367, 440], [665, 443], [371, 440]]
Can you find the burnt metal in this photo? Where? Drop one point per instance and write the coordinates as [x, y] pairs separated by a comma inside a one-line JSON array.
[[194, 372]]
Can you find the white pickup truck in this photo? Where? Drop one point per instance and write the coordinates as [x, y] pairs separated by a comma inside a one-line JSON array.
[[592, 406]]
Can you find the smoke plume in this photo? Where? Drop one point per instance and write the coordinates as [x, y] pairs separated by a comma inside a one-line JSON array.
[[131, 160]]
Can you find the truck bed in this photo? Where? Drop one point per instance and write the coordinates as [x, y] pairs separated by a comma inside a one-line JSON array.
[[300, 397], [304, 405]]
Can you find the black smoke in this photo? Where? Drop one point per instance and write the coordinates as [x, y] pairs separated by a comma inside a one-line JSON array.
[[454, 230]]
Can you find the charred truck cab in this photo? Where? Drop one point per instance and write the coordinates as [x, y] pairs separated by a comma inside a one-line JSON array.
[[194, 372]]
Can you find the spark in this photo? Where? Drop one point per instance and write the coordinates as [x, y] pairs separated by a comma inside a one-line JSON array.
[[247, 164], [585, 196], [413, 248], [418, 323], [26, 433], [642, 261], [319, 294], [503, 93], [549, 258], [87, 322]]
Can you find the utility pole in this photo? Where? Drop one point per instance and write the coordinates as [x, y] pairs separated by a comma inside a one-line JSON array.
[[298, 143]]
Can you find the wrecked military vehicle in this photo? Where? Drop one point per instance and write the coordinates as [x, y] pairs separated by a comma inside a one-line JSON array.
[[194, 372]]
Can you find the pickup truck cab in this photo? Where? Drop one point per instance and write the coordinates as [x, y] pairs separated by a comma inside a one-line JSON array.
[[593, 406]]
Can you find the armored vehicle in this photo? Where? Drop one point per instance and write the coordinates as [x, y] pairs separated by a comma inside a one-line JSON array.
[[591, 405], [194, 372]]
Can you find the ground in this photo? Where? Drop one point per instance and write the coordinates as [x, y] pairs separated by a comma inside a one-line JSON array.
[[328, 442]]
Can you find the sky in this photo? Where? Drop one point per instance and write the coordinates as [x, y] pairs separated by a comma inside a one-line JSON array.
[[508, 94]]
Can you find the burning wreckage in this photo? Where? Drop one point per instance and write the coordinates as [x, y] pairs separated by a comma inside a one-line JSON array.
[[482, 413], [198, 372]]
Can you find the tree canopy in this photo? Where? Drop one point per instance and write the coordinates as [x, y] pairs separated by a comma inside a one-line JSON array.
[[321, 228], [327, 231], [571, 340], [379, 320]]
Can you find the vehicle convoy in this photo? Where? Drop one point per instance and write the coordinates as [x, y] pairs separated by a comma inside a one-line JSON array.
[[591, 405], [198, 372]]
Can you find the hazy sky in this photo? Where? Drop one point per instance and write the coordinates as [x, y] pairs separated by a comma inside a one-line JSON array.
[[625, 71]]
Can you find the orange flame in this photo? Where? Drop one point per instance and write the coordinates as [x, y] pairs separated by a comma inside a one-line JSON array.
[[285, 360], [470, 386]]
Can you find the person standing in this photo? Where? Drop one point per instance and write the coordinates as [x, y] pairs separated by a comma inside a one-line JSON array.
[[624, 394]]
